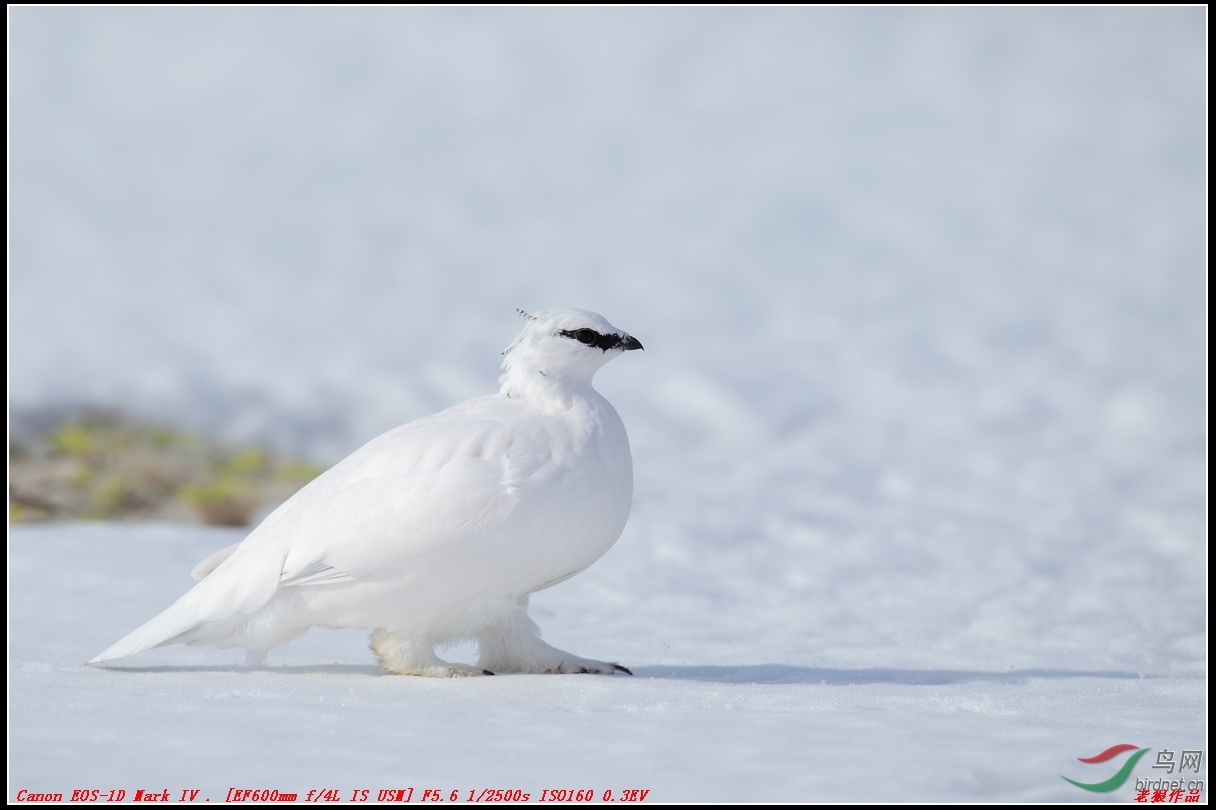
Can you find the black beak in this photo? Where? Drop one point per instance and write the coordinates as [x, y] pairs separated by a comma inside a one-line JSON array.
[[630, 343]]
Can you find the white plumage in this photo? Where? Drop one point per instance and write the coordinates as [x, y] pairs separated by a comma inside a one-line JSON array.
[[438, 530]]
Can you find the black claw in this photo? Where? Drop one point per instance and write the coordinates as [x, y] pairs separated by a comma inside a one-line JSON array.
[[486, 672], [619, 668]]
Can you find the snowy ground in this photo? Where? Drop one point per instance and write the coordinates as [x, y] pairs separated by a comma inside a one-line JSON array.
[[919, 432], [716, 710]]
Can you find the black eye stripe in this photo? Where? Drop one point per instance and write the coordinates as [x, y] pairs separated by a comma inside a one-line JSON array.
[[590, 337]]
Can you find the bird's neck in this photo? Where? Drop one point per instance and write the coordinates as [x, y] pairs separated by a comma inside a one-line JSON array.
[[554, 384]]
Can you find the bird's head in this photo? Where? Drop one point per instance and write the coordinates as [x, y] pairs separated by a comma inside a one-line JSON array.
[[562, 346]]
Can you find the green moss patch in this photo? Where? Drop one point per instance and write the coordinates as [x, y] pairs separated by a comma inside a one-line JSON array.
[[106, 467]]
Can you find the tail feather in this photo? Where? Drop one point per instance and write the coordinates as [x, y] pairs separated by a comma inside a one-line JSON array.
[[181, 617], [238, 587]]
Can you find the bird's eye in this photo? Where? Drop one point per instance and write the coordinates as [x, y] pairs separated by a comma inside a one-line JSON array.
[[590, 337]]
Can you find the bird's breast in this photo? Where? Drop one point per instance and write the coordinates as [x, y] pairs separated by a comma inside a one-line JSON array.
[[573, 506]]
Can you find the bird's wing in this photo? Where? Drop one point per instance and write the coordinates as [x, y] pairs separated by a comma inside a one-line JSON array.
[[428, 485], [318, 572], [394, 507]]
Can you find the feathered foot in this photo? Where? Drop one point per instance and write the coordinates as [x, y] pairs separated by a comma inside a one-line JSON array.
[[404, 655], [513, 644]]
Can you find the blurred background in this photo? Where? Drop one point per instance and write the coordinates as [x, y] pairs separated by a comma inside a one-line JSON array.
[[922, 291]]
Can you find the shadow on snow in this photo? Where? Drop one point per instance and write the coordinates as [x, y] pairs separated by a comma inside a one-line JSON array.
[[784, 673]]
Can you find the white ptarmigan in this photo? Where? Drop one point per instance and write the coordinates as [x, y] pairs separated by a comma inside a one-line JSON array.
[[438, 530]]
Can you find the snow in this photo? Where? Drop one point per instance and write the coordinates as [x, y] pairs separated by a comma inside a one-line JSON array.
[[919, 433], [736, 721]]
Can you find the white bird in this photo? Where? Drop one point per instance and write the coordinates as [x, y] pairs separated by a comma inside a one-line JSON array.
[[438, 530]]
